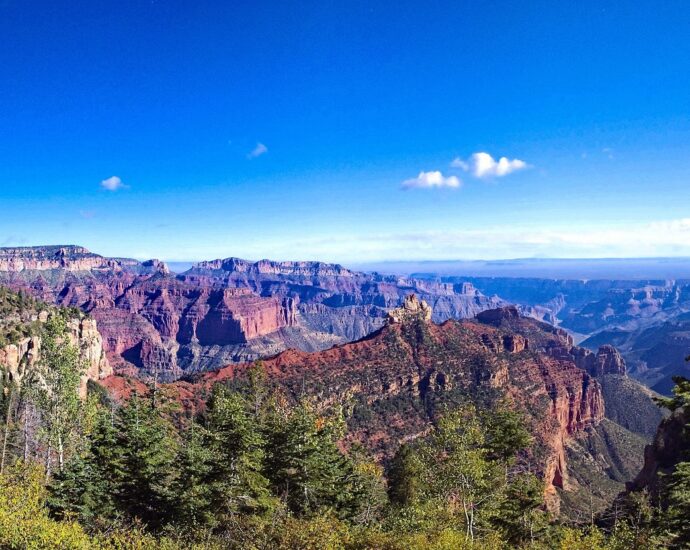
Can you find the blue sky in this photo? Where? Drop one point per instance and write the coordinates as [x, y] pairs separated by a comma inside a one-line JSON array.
[[314, 130]]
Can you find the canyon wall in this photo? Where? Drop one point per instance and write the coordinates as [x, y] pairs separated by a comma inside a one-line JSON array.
[[154, 322], [20, 358], [393, 382]]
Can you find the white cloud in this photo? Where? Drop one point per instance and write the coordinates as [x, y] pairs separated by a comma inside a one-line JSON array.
[[483, 165], [113, 183], [259, 150], [457, 162], [428, 180]]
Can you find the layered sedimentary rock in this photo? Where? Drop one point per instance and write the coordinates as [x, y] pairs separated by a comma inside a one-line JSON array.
[[44, 258], [559, 344], [646, 320], [156, 322], [393, 381], [18, 359]]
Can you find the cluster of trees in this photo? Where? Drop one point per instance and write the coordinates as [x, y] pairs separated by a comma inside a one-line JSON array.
[[253, 469], [668, 516], [13, 307]]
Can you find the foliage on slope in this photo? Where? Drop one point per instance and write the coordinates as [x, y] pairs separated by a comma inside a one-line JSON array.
[[631, 405], [19, 315]]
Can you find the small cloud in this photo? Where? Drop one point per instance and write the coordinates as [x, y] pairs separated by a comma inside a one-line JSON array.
[[428, 180], [87, 214], [259, 150], [457, 162], [483, 165], [113, 183], [608, 152]]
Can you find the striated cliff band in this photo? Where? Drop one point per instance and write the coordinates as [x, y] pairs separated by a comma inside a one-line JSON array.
[[223, 311]]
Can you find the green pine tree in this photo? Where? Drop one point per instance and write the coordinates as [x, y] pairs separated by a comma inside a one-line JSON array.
[[194, 490], [86, 487], [677, 517], [405, 477], [236, 478], [144, 469], [307, 469]]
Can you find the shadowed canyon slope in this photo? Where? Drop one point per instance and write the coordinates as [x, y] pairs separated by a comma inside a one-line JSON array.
[[221, 311]]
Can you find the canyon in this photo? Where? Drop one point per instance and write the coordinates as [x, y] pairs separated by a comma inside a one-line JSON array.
[[393, 351], [393, 384], [157, 323]]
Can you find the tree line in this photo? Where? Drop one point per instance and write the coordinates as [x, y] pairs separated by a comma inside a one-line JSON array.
[[254, 469]]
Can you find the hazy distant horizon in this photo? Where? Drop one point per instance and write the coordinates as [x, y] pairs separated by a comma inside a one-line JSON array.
[[652, 268], [635, 268]]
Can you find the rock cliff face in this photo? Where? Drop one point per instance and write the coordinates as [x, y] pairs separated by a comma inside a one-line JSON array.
[[153, 321], [647, 320], [393, 381], [607, 360], [671, 445], [18, 359]]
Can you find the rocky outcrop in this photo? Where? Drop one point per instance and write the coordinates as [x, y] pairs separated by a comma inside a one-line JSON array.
[[85, 337], [20, 358], [499, 316], [607, 360], [412, 308]]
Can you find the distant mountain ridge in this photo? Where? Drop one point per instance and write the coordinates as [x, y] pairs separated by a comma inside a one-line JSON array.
[[231, 310], [220, 311]]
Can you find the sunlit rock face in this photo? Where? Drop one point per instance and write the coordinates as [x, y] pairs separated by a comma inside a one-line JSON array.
[[157, 323], [20, 358], [395, 381]]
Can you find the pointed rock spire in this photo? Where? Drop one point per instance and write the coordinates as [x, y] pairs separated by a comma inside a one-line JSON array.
[[412, 308]]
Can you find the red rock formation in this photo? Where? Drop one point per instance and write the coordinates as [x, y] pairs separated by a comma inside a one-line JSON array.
[[223, 310], [607, 360], [420, 361]]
